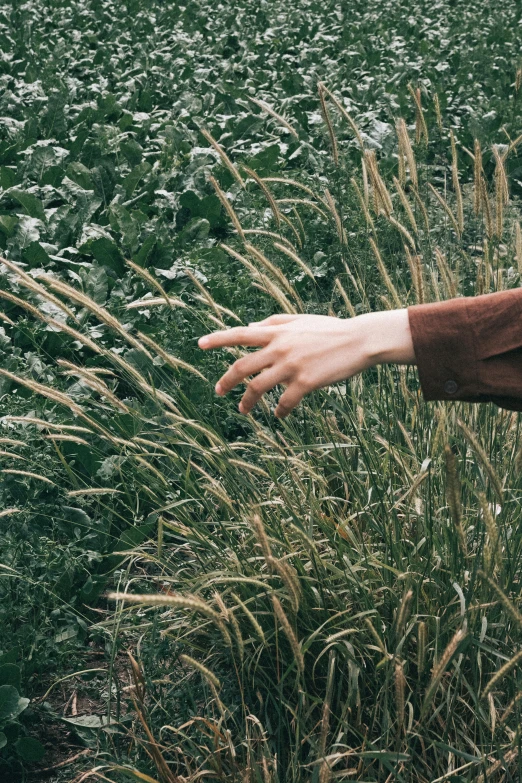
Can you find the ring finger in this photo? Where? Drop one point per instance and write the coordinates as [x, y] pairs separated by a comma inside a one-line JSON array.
[[248, 365], [258, 386]]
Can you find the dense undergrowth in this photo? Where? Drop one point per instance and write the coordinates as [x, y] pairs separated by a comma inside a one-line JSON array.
[[337, 575]]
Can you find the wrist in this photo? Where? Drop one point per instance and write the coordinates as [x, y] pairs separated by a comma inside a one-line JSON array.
[[388, 337]]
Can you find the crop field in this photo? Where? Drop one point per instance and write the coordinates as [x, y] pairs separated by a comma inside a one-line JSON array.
[[189, 593]]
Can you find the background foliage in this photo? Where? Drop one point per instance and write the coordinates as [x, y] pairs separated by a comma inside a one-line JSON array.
[[103, 160]]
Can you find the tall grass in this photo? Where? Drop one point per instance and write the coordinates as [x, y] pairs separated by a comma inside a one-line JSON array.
[[334, 595]]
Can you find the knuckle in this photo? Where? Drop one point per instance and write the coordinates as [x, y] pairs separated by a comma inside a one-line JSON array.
[[239, 367], [255, 386]]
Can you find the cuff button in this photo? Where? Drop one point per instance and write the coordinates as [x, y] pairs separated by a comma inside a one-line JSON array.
[[450, 387]]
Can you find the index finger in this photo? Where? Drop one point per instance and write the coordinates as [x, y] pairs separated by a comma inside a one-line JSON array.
[[238, 335]]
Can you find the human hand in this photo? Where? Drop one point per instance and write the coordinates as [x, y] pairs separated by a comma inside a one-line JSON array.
[[307, 352]]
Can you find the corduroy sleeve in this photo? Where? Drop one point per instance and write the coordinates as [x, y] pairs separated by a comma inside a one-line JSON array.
[[470, 348]]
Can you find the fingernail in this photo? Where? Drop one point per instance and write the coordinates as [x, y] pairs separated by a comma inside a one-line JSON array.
[[219, 388], [203, 341], [241, 407]]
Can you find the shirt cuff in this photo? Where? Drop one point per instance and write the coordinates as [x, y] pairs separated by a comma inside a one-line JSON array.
[[444, 347]]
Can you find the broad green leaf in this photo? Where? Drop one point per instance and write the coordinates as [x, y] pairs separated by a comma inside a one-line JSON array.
[[10, 675], [31, 204], [30, 749], [11, 705], [35, 255], [106, 252]]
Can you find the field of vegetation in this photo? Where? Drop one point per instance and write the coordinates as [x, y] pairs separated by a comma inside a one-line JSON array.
[[188, 593]]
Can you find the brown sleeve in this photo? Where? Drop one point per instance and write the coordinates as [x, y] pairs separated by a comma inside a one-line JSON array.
[[470, 348]]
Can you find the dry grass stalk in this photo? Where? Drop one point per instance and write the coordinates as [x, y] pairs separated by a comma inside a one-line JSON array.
[[228, 206], [12, 442], [477, 178], [8, 511], [266, 284], [289, 633], [207, 674], [28, 474], [341, 233], [483, 457], [438, 114], [364, 205], [422, 207], [441, 667], [487, 208], [448, 278], [270, 234], [403, 613], [30, 283], [422, 634], [56, 396], [146, 275], [276, 272], [262, 538], [404, 231], [381, 198], [186, 601], [376, 636], [346, 116], [100, 312], [269, 110], [76, 493], [94, 383], [444, 204], [266, 192], [421, 129], [501, 192], [435, 284], [406, 152], [253, 620], [507, 758], [237, 633], [349, 307], [170, 360], [328, 122], [384, 274], [400, 688], [47, 424], [305, 202], [272, 289], [511, 706], [414, 263], [509, 666], [518, 247], [289, 578], [299, 185], [216, 307], [492, 551], [406, 205], [509, 606], [456, 183], [67, 439], [224, 157], [7, 320], [58, 325], [454, 494], [293, 255], [205, 294]]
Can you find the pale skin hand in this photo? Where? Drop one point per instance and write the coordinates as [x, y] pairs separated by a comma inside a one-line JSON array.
[[307, 352]]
